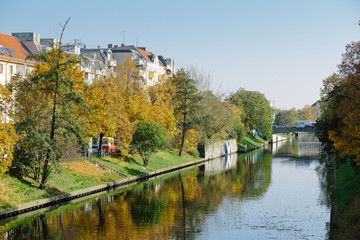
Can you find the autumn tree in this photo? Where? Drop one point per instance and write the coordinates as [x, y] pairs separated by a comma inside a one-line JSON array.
[[8, 137], [148, 138], [107, 116], [186, 104], [131, 88], [345, 109], [162, 108], [56, 87], [309, 113]]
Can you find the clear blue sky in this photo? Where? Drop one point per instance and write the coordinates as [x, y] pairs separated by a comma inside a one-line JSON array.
[[282, 48]]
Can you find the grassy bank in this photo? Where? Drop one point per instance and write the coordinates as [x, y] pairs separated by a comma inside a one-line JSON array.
[[133, 164], [347, 203], [80, 174], [250, 142]]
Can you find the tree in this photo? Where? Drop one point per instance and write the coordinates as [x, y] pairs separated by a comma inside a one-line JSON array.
[[286, 117], [257, 111], [162, 109], [218, 118], [186, 104], [309, 113], [148, 138], [8, 137], [55, 87], [107, 116], [338, 125]]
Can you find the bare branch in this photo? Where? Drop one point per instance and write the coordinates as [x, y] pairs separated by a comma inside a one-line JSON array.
[[62, 31]]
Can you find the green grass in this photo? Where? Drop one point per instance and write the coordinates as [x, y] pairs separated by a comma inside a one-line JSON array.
[[81, 174], [15, 191], [250, 142], [347, 218], [133, 164], [347, 184]]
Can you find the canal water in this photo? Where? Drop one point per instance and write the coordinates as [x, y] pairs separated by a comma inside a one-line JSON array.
[[278, 192]]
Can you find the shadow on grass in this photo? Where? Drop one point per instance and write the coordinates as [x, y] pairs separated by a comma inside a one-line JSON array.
[[133, 172], [30, 184], [130, 159], [52, 191]]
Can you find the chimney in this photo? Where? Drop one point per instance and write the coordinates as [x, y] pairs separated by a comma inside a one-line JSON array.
[[122, 45], [116, 46], [110, 45]]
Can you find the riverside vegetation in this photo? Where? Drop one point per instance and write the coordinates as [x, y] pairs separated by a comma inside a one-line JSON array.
[[338, 128], [55, 113]]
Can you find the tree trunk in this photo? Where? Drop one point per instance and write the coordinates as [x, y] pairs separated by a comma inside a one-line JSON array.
[[183, 136], [100, 144]]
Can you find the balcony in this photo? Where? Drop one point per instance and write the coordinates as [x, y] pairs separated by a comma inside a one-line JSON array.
[[139, 61], [112, 63]]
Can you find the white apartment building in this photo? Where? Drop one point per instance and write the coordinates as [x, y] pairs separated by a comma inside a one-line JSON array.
[[13, 58]]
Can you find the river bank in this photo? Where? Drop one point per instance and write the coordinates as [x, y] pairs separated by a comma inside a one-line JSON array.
[[81, 174], [262, 188], [347, 211]]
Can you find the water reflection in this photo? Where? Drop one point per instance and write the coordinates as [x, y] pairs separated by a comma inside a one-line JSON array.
[[180, 206]]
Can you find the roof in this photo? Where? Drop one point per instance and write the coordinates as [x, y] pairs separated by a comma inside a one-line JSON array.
[[31, 47], [10, 42], [147, 55], [162, 60]]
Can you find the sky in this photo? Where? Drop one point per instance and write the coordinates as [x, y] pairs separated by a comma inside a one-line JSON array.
[[281, 48]]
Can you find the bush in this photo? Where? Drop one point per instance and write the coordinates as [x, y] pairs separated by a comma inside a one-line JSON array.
[[148, 138], [194, 153]]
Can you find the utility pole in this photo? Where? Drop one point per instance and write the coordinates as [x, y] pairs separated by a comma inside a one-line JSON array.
[[123, 33]]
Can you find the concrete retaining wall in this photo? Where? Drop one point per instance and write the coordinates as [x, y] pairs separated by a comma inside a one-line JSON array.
[[278, 138], [218, 149]]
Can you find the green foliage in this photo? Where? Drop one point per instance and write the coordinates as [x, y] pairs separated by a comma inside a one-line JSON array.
[[218, 118], [194, 153], [286, 117], [30, 157], [257, 111], [239, 132], [186, 104], [46, 104], [148, 138]]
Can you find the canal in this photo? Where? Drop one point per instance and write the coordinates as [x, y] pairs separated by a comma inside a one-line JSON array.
[[279, 192]]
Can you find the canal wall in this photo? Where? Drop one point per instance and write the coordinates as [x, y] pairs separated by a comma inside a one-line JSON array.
[[278, 138], [218, 149]]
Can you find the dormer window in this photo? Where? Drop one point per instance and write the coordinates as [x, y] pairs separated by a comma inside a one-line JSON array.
[[11, 51], [3, 50]]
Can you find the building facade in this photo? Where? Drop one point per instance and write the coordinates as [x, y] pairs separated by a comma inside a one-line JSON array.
[[13, 58]]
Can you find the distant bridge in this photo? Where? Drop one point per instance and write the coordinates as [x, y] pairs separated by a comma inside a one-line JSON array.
[[293, 129]]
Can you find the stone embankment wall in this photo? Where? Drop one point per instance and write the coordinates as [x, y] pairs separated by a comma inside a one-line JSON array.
[[278, 138], [218, 149]]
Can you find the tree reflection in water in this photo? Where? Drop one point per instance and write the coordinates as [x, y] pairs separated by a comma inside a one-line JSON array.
[[170, 207]]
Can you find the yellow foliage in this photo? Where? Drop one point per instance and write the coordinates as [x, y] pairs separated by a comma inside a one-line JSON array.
[[192, 139], [8, 140], [162, 110]]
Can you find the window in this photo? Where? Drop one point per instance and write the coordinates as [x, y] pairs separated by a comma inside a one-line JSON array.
[[11, 51], [1, 68], [3, 50], [11, 69]]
